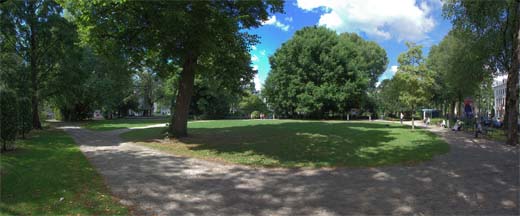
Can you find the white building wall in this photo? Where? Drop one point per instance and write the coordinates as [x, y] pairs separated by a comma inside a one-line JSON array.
[[499, 91]]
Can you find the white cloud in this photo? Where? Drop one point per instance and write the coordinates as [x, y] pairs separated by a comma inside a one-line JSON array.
[[255, 67], [253, 47], [272, 21], [393, 69], [262, 52], [288, 19], [388, 74], [256, 80], [254, 58], [400, 19]]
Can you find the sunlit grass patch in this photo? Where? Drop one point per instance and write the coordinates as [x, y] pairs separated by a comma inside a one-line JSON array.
[[289, 143], [48, 175]]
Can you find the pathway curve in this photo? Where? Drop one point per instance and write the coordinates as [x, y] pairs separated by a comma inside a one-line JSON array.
[[475, 178]]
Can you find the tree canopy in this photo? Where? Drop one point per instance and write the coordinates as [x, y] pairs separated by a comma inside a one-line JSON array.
[[192, 34], [318, 73], [496, 27]]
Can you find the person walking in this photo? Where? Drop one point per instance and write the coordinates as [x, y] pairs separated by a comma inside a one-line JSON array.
[[401, 117]]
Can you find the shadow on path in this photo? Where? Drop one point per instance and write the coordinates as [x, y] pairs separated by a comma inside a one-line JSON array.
[[471, 179]]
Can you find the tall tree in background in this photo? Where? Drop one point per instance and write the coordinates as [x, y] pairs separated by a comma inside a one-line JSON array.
[[318, 73], [412, 79], [456, 64], [38, 34], [497, 25], [182, 32]]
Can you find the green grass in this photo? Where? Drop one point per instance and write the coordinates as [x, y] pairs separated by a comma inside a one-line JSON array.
[[290, 143], [106, 125], [47, 167]]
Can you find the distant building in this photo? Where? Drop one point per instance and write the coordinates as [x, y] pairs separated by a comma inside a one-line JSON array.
[[499, 91], [161, 109]]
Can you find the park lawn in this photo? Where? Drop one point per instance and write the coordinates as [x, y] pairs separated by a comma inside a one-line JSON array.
[[114, 124], [47, 167], [291, 143]]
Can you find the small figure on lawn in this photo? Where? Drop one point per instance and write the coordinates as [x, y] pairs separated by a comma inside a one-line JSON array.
[[401, 117]]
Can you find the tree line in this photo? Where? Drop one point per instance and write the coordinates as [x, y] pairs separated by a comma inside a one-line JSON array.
[[193, 56], [483, 43], [77, 56]]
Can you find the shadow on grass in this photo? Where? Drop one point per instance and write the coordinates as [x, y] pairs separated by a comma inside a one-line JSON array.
[[312, 143], [470, 180]]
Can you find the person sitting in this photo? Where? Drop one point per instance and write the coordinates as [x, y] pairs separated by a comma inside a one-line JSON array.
[[478, 129], [443, 123], [457, 126]]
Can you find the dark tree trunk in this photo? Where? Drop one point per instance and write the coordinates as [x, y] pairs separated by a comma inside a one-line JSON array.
[[512, 83], [182, 103], [34, 76]]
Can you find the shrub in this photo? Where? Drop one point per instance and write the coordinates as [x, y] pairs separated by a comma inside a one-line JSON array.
[[255, 114], [8, 117]]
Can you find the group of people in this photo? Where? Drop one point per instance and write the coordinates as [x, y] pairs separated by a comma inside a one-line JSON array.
[[261, 116], [458, 126]]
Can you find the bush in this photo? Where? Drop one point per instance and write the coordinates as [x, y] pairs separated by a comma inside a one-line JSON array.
[[24, 116], [255, 114], [8, 117]]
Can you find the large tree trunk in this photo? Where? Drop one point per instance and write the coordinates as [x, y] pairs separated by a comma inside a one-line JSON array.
[[512, 83], [34, 75], [179, 120]]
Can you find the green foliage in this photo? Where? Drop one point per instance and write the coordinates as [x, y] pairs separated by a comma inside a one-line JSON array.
[[8, 117], [412, 85], [318, 72], [98, 82], [458, 65], [24, 115], [495, 26], [289, 143], [213, 98], [255, 114], [49, 166], [202, 36], [492, 25], [250, 103], [38, 34]]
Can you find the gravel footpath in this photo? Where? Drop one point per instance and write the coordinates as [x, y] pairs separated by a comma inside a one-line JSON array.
[[477, 177]]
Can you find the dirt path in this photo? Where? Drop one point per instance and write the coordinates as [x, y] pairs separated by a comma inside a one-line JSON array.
[[475, 178]]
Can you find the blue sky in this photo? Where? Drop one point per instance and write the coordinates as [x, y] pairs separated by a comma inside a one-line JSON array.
[[387, 22]]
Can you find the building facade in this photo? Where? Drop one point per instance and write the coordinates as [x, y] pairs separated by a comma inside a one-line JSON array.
[[499, 91]]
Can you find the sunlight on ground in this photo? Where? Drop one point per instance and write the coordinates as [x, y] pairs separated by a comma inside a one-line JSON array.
[[293, 143]]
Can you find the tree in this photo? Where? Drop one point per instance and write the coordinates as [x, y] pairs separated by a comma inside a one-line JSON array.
[[496, 25], [147, 86], [251, 102], [456, 64], [8, 117], [388, 97], [182, 32], [318, 73], [37, 31], [411, 79]]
